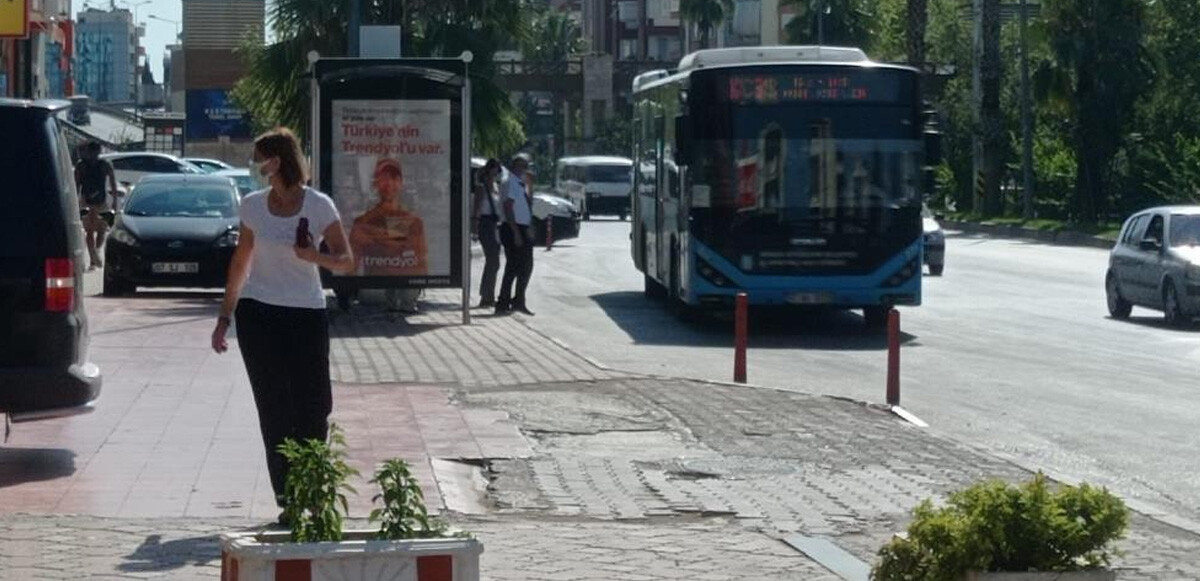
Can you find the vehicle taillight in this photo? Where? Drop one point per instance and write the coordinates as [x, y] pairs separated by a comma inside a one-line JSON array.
[[60, 285]]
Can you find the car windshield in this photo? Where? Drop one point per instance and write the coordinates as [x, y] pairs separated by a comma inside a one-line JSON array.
[[618, 174], [181, 201], [1185, 230]]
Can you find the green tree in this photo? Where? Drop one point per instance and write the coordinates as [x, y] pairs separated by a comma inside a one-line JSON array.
[[554, 37], [706, 15], [842, 22], [917, 20], [1097, 70], [274, 90]]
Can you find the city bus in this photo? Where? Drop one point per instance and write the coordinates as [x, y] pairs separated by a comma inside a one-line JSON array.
[[792, 173]]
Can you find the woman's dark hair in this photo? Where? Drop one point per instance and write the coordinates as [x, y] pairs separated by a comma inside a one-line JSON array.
[[492, 164], [283, 144]]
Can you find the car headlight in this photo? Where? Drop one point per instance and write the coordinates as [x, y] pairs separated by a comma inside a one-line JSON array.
[[227, 240], [123, 236]]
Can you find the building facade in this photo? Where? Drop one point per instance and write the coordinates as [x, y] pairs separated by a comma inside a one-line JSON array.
[[212, 32], [106, 55]]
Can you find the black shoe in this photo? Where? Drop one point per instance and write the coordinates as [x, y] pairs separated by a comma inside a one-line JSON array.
[[503, 309], [485, 304], [524, 311]]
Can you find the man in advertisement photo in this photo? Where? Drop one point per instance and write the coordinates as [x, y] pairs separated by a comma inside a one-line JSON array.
[[389, 239]]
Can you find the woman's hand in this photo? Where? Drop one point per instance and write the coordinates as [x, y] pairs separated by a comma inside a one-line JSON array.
[[308, 253], [219, 344]]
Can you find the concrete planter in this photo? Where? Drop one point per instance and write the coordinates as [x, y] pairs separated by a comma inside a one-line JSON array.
[[272, 556], [1093, 575]]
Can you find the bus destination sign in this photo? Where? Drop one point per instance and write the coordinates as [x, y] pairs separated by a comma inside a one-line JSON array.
[[767, 89]]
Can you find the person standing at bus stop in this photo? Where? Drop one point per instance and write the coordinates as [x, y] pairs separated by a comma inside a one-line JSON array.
[[486, 218], [92, 174], [517, 238], [274, 290]]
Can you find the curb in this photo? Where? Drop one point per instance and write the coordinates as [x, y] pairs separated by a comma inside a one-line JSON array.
[[1060, 238]]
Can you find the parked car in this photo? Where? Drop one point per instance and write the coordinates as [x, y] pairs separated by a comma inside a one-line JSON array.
[[131, 167], [934, 242], [556, 214], [208, 165], [44, 366], [1156, 264], [175, 231], [240, 176]]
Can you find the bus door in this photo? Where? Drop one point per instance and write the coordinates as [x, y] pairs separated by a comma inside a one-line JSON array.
[[662, 226]]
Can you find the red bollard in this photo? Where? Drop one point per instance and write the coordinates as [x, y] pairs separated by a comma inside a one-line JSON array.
[[740, 308], [893, 368]]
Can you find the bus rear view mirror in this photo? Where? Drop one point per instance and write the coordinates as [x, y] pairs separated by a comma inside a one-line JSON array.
[[683, 141]]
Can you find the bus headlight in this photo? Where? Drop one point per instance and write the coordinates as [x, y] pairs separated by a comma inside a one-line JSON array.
[[905, 272], [711, 274]]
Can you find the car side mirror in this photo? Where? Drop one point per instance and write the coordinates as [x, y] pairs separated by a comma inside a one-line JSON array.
[[1150, 244]]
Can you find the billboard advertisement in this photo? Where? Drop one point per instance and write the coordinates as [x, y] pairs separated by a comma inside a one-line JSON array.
[[391, 168], [211, 113], [14, 18]]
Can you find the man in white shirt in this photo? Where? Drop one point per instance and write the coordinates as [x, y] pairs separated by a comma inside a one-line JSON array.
[[516, 237]]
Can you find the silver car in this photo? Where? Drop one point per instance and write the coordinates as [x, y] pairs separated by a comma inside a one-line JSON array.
[[1156, 264]]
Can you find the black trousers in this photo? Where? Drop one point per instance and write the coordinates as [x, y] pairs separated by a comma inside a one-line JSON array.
[[286, 351], [518, 267], [490, 241]]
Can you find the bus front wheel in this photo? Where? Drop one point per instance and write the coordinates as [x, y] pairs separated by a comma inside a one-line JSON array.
[[652, 289]]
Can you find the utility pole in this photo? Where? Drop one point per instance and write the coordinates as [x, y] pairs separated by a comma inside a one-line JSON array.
[[1026, 120], [641, 49]]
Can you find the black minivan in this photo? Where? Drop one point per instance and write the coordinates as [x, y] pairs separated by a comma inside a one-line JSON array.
[[44, 366]]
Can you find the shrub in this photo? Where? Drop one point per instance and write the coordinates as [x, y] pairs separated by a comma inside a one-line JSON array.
[[993, 526]]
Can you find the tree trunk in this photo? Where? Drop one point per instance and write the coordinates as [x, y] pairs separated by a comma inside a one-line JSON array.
[[990, 115], [914, 35]]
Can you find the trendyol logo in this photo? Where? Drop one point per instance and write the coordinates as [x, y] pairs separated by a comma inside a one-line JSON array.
[[407, 259]]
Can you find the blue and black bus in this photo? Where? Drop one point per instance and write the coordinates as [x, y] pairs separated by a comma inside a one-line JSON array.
[[791, 173]]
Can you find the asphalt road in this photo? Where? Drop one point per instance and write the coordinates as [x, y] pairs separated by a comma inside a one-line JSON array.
[[1012, 351]]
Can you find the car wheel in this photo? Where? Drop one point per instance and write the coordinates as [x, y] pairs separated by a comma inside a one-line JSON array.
[[1172, 309], [875, 317], [936, 269], [652, 289], [1118, 307], [587, 217]]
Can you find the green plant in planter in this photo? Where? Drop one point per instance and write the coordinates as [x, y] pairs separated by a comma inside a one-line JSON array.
[[403, 515], [992, 526], [316, 505], [315, 490]]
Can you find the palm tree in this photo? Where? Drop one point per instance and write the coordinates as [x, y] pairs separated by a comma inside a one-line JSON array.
[[991, 117], [274, 90], [554, 38], [706, 15]]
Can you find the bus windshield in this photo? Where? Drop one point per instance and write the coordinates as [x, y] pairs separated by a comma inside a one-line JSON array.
[[617, 174], [806, 186]]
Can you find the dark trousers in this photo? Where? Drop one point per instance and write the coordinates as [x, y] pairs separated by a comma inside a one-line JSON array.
[[518, 266], [490, 240], [286, 351]]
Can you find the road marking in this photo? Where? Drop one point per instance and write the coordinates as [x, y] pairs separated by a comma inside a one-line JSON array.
[[909, 417]]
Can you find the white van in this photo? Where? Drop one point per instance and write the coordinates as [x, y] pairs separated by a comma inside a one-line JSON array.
[[595, 184]]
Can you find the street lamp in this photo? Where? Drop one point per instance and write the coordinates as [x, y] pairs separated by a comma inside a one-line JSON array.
[[134, 7], [168, 21]]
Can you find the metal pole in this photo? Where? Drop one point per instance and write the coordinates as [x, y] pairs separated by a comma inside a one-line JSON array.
[[355, 25], [741, 306], [1026, 119], [465, 194], [820, 22], [893, 362]]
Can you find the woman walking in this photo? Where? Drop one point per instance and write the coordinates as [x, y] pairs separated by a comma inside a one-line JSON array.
[[274, 291], [486, 216]]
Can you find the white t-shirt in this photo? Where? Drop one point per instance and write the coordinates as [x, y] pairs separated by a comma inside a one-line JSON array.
[[514, 189], [277, 277]]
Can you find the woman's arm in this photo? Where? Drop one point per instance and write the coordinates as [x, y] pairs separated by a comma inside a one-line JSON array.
[[340, 258], [239, 268]]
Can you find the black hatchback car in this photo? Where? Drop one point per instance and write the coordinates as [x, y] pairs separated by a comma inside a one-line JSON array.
[[176, 230], [44, 366]]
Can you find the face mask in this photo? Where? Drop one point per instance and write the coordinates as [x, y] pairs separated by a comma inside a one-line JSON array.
[[261, 182]]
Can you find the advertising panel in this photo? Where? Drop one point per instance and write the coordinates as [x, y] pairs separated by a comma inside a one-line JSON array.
[[211, 113], [391, 167], [14, 19]]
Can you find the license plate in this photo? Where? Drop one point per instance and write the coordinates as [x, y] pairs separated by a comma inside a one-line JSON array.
[[175, 267], [810, 298]]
